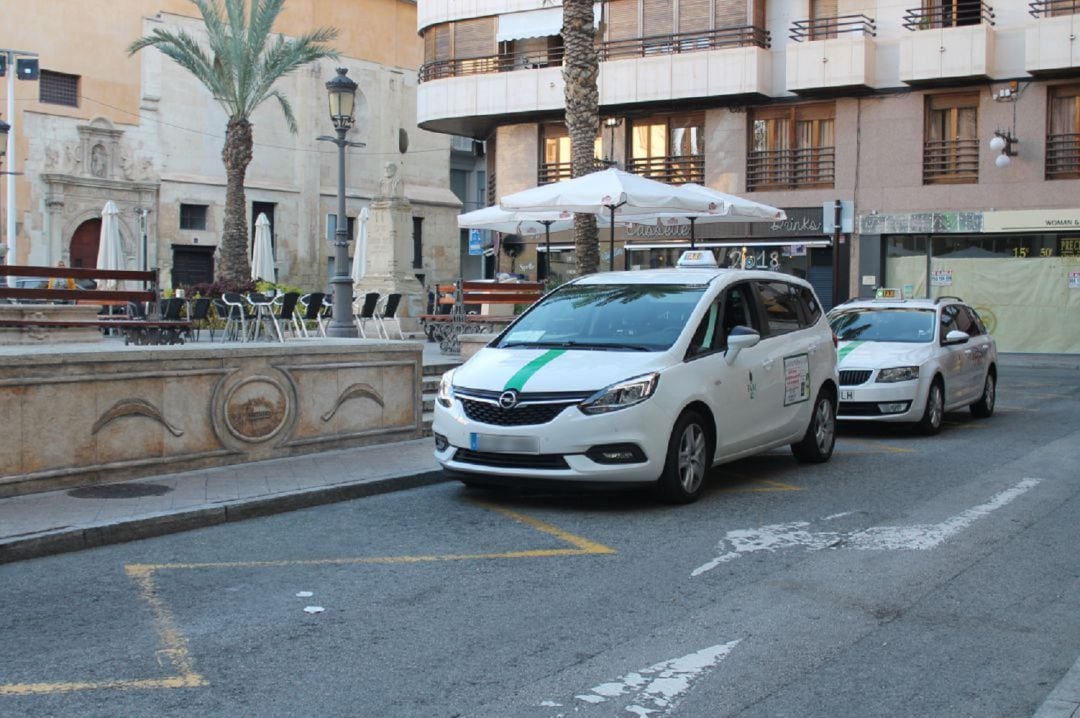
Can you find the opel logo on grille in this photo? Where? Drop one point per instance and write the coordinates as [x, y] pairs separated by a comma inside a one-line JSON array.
[[508, 399]]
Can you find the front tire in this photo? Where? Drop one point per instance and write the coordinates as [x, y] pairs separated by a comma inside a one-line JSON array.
[[934, 412], [984, 407], [817, 443], [689, 457]]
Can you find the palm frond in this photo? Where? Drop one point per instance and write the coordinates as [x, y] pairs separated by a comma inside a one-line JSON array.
[[261, 23], [286, 109]]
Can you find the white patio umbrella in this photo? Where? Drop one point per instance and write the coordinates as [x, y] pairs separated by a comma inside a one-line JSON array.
[[359, 260], [262, 251], [110, 252], [610, 192], [732, 209]]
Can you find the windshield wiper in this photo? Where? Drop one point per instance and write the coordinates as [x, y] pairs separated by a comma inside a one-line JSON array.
[[571, 344]]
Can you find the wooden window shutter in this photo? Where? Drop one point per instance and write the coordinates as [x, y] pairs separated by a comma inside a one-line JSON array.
[[474, 38], [730, 13], [694, 16], [622, 19], [442, 42], [823, 9], [658, 17]]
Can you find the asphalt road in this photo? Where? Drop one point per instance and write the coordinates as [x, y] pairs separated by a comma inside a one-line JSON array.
[[909, 576]]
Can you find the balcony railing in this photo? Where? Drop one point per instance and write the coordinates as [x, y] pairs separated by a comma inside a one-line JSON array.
[[829, 28], [676, 169], [929, 18], [728, 37], [1050, 8], [549, 172], [950, 161], [801, 168], [1063, 156], [503, 62], [492, 197]]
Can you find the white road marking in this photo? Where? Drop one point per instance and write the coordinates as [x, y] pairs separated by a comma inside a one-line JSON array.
[[656, 690], [875, 538]]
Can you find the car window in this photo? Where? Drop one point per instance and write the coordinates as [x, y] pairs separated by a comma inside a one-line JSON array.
[[739, 311], [975, 325], [708, 336], [811, 308], [623, 317], [781, 306], [883, 325]]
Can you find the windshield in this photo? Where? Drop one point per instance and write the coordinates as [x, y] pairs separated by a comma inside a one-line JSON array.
[[884, 325], [611, 317]]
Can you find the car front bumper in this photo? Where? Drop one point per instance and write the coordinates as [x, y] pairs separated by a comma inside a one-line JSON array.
[[899, 401]]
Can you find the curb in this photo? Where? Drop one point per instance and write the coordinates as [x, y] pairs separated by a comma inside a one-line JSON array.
[[1064, 700], [1039, 361], [77, 538]]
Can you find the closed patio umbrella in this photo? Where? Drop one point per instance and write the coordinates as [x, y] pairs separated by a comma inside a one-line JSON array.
[[110, 252], [262, 253], [359, 261]]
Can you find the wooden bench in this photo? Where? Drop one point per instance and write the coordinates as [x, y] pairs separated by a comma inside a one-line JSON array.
[[457, 297], [151, 330]]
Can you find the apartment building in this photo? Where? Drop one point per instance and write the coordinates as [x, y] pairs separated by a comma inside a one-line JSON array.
[[948, 129], [98, 125]]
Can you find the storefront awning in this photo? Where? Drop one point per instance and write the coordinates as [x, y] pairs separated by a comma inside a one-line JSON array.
[[685, 242], [535, 23]]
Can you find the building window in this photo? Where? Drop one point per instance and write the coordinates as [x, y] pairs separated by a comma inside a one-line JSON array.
[[331, 227], [792, 147], [948, 13], [56, 88], [418, 242], [1063, 133], [951, 144], [193, 216], [555, 153], [669, 148]]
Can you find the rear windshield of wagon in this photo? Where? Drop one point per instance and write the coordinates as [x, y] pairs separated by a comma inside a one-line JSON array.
[[607, 317]]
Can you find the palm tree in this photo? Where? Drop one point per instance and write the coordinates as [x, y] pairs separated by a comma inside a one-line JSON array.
[[580, 70], [239, 68]]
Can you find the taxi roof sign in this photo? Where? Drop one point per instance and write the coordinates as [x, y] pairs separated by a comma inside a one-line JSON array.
[[697, 258], [888, 293]]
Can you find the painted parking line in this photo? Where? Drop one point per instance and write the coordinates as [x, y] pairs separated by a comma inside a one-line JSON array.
[[877, 447], [173, 645], [762, 486]]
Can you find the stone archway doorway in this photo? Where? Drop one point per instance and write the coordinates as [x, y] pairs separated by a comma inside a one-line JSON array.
[[84, 244]]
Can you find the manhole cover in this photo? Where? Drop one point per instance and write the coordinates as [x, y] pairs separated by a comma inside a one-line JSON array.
[[119, 491]]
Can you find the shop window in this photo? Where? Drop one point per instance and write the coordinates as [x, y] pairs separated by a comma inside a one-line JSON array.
[[555, 164], [57, 88], [792, 148], [1063, 133], [193, 216], [669, 148], [951, 140]]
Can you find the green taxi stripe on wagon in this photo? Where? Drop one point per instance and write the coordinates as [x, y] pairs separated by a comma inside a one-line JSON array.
[[517, 381]]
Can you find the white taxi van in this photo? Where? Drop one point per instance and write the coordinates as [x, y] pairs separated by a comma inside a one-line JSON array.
[[644, 377], [911, 360]]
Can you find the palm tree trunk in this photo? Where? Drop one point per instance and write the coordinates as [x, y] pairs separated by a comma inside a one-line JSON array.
[[580, 70], [236, 154]]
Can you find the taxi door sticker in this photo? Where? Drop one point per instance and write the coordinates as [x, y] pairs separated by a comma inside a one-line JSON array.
[[796, 379]]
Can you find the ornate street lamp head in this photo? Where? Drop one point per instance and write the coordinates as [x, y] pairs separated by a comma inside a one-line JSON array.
[[342, 94]]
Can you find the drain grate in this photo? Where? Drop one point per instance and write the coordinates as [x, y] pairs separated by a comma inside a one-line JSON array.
[[119, 491]]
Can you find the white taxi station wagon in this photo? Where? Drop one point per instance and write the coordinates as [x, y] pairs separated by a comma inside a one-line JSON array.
[[644, 378], [911, 360]]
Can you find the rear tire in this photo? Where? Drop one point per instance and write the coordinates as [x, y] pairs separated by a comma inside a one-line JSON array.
[[817, 443], [984, 407], [934, 412], [689, 457]]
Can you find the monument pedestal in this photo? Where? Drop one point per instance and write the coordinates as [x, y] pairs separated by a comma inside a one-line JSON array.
[[388, 269]]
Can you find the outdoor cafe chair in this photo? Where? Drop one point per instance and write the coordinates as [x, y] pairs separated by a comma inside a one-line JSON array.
[[200, 316], [286, 312], [236, 317], [367, 313], [313, 305], [389, 314], [263, 314]]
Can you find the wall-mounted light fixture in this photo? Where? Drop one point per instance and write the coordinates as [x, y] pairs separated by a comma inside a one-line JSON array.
[[1003, 142], [611, 123]]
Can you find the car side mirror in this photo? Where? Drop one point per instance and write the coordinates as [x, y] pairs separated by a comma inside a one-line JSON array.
[[956, 337], [740, 338]]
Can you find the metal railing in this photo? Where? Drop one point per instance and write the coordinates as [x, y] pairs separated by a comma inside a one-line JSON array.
[[791, 169], [502, 62], [727, 37], [946, 161], [1050, 8], [929, 18], [549, 172], [1063, 156], [828, 28], [674, 169], [492, 197]]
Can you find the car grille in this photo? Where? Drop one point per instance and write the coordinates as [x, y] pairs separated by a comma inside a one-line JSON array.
[[851, 377], [511, 461], [858, 408], [532, 408]]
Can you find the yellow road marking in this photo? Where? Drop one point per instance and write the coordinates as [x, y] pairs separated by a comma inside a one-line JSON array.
[[769, 486], [885, 448], [174, 645]]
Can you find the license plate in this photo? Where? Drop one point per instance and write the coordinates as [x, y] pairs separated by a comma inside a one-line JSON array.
[[504, 444], [846, 395]]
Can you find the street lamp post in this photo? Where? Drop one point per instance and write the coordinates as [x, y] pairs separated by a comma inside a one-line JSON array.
[[4, 127], [342, 94]]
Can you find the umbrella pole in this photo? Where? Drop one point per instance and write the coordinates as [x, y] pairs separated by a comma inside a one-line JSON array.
[[611, 240], [692, 231], [547, 248]]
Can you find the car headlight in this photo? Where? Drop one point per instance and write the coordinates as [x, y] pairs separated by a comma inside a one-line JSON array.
[[446, 389], [898, 373], [621, 395]]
